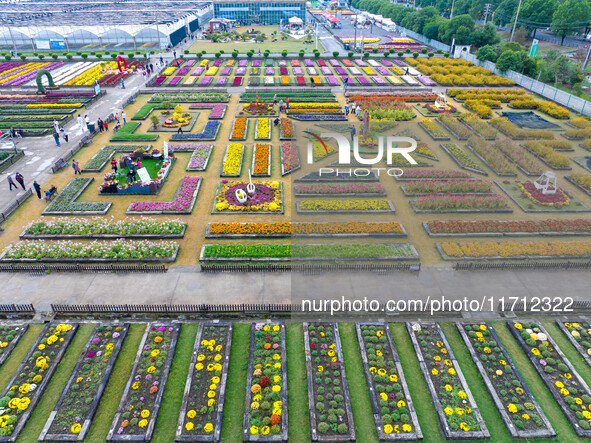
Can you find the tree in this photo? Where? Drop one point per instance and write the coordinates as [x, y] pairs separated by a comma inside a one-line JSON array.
[[570, 15], [509, 60], [505, 12], [537, 11], [460, 28], [485, 35], [487, 53], [431, 31]]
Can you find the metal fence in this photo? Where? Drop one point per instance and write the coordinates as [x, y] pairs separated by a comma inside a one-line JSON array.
[[504, 266], [110, 268]]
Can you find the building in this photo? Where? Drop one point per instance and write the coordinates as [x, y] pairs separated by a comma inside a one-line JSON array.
[[247, 12]]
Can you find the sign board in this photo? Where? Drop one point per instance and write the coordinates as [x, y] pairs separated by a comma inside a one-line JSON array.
[[42, 43], [57, 44], [165, 150], [534, 48], [144, 175]]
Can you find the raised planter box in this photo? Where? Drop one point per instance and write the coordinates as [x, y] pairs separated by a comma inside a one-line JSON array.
[[89, 180], [433, 136], [24, 236], [214, 211], [245, 131], [500, 174], [543, 160], [22, 328], [459, 211], [501, 234], [166, 212], [256, 130], [376, 211], [266, 174], [582, 352], [451, 131], [574, 183], [446, 257], [224, 162], [460, 164], [283, 171], [554, 211]]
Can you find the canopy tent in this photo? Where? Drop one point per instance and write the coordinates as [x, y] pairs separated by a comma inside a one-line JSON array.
[[295, 21]]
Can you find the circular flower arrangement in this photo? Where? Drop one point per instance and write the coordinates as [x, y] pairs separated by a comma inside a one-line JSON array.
[[267, 197]]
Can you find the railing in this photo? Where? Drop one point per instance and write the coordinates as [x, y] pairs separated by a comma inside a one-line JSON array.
[[44, 268], [175, 309], [504, 266], [14, 205], [18, 308], [11, 160]]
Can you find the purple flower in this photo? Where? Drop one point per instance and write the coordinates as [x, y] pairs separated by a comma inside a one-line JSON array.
[[163, 346], [116, 335], [141, 398], [90, 354], [96, 340], [99, 353], [120, 431], [147, 348], [162, 329], [155, 383]]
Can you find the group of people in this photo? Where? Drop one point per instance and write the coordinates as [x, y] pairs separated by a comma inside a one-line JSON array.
[[132, 166], [59, 131], [283, 106], [18, 177], [147, 70], [353, 108]]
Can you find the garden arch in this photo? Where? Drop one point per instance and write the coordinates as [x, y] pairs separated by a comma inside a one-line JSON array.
[[119, 60], [40, 74]]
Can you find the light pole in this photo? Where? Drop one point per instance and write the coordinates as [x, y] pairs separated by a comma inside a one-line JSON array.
[[451, 14], [515, 22]]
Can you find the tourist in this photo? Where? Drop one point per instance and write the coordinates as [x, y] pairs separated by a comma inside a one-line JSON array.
[[357, 111], [346, 83], [122, 83], [11, 183], [286, 105], [37, 187], [276, 121], [123, 116], [80, 122], [139, 164], [259, 51], [76, 167], [106, 125], [114, 165], [117, 117], [19, 133], [100, 125], [87, 121], [353, 131], [347, 109], [174, 54], [280, 106], [161, 60], [144, 74], [64, 134], [180, 131], [56, 125], [151, 68], [19, 178], [56, 137], [274, 99], [12, 132]]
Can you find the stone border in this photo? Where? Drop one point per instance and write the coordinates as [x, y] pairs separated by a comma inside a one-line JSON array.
[[502, 234], [352, 211], [582, 352], [457, 161], [500, 174], [415, 256], [548, 211], [246, 127], [433, 136], [283, 172], [562, 405], [417, 433], [44, 436], [513, 430], [188, 169], [268, 174], [214, 211], [8, 349], [189, 210], [360, 234], [459, 211], [451, 131], [345, 387], [460, 435], [170, 259], [224, 162], [446, 257], [215, 436], [402, 179], [47, 375], [89, 180], [246, 436], [256, 129], [147, 435]]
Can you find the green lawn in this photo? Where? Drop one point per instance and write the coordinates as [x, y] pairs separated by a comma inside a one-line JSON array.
[[153, 166]]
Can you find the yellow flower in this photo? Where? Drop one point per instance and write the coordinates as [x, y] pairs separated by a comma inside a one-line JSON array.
[[199, 366], [379, 353], [276, 328], [200, 357], [459, 411], [215, 379], [379, 333], [559, 384], [578, 401], [451, 371], [189, 426], [76, 428], [448, 411], [155, 352], [136, 385], [145, 413], [512, 408], [564, 391], [265, 430], [384, 396], [382, 372], [254, 430], [394, 378], [41, 347], [406, 428], [208, 427], [535, 351], [211, 402], [143, 423], [211, 394], [448, 388], [437, 358], [320, 368], [151, 369], [464, 427], [401, 404], [192, 413], [257, 397], [276, 388], [518, 326], [483, 327], [388, 428], [499, 372], [462, 395], [525, 416]]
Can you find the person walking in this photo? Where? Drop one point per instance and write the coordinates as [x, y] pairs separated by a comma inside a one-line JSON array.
[[11, 183], [64, 134], [56, 137], [280, 106], [274, 99], [174, 54], [100, 125], [122, 83], [87, 122], [286, 105], [81, 123], [19, 178], [346, 83], [76, 167], [151, 67], [123, 116], [161, 60], [353, 131], [347, 109], [37, 187], [114, 165], [180, 130], [56, 125], [358, 111]]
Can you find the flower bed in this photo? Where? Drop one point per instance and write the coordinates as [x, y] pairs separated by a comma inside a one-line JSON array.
[[353, 206], [75, 409], [548, 155], [101, 158], [460, 203], [286, 129], [429, 187], [304, 229], [343, 189], [261, 160], [268, 198], [263, 129], [516, 250], [507, 227], [265, 412], [64, 203], [518, 407], [10, 334], [239, 129], [326, 375], [389, 393], [582, 181], [557, 373], [525, 195], [127, 134], [528, 163], [232, 163], [456, 409], [27, 385], [200, 157], [433, 174], [513, 131], [183, 203], [218, 110], [481, 128], [237, 80], [290, 158], [140, 403], [308, 252], [202, 409], [462, 159], [454, 125], [210, 132], [494, 159], [99, 227]]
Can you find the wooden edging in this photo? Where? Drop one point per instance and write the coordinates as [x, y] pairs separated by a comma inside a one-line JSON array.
[[45, 436]]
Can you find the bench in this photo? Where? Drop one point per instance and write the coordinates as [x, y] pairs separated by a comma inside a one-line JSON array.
[[60, 164], [49, 196]]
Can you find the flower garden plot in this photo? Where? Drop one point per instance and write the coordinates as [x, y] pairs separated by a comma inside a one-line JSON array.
[[218, 110], [119, 184], [261, 160], [435, 131], [101, 228], [511, 130], [75, 409], [143, 392], [454, 126], [202, 409], [352, 206], [145, 111], [167, 123], [265, 410], [232, 163], [463, 160], [210, 132], [183, 203], [65, 202], [496, 228], [583, 161], [492, 158], [239, 129], [290, 158], [518, 407], [392, 407], [339, 189], [102, 157], [127, 134], [548, 156], [433, 174], [327, 384], [304, 229], [10, 334], [446, 187], [337, 176], [308, 252], [578, 334], [460, 203], [263, 129], [200, 157], [554, 249], [456, 409], [35, 371], [525, 195], [478, 126], [581, 181], [526, 162], [267, 199], [286, 129], [557, 373]]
